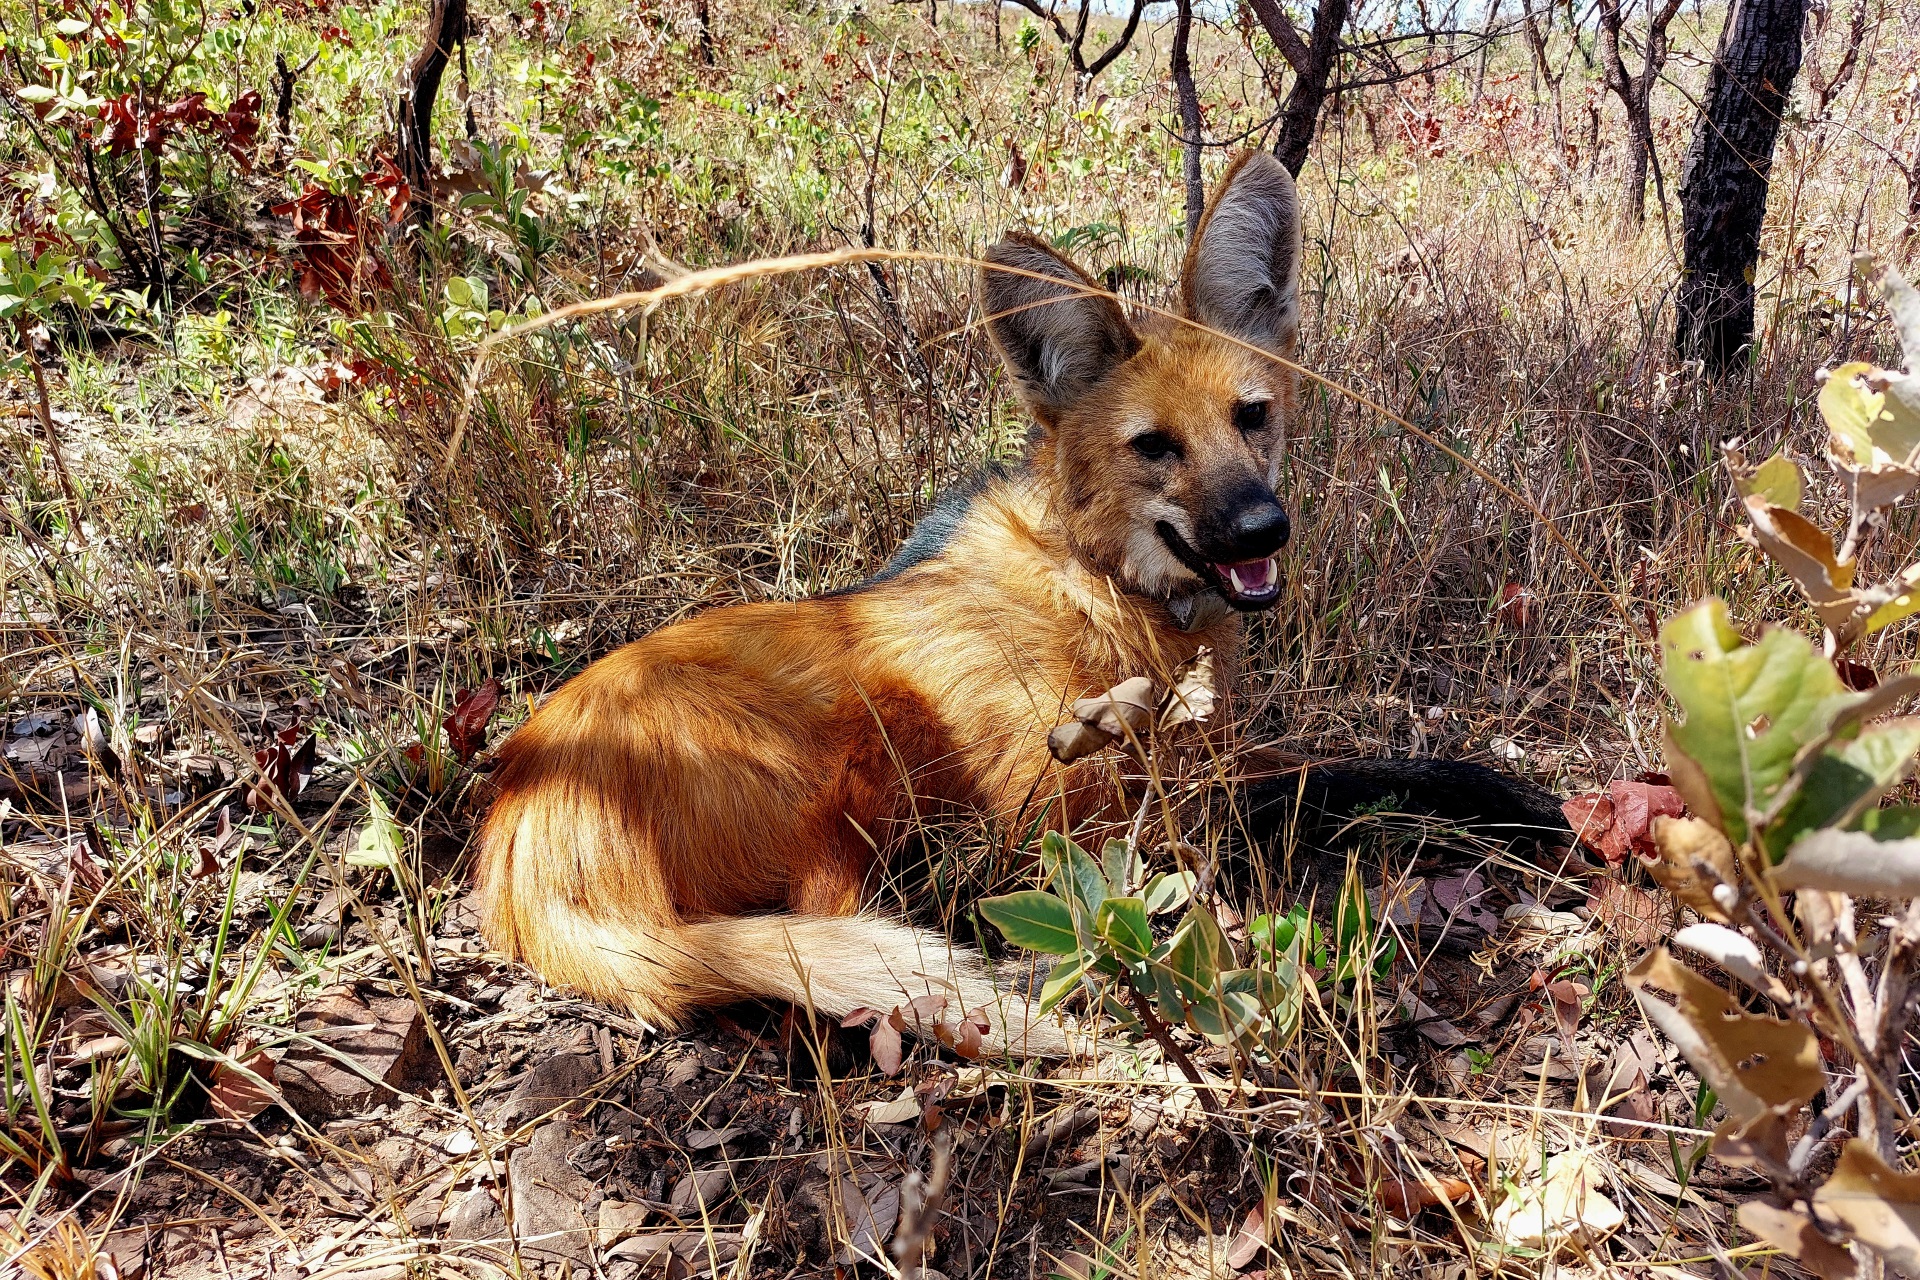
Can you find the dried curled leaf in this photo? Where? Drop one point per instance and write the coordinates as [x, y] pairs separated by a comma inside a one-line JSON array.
[[1127, 713], [1565, 1204], [1694, 859], [1193, 693], [1878, 1204], [1798, 546], [243, 1087], [1793, 1233], [1852, 862], [1736, 953], [1764, 1069]]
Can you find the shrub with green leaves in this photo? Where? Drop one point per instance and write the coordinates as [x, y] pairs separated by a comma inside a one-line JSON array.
[[1806, 887], [1099, 918]]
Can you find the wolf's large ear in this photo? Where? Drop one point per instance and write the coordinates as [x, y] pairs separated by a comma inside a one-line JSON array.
[[1242, 274], [1058, 333]]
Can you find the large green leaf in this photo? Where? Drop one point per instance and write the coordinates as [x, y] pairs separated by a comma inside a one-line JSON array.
[[1074, 871], [1777, 480], [1169, 891], [1061, 982], [1843, 782], [1033, 919], [1870, 428], [1122, 925], [1278, 991], [1224, 1016], [1121, 863], [1896, 822], [382, 840], [1749, 711], [1198, 954]]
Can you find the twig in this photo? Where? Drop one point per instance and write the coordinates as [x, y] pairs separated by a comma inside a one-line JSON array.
[[44, 407]]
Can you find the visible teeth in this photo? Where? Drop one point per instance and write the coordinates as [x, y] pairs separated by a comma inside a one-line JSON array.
[[1252, 579]]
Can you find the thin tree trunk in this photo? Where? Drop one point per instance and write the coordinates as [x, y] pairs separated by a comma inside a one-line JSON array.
[[44, 408], [1537, 39], [1189, 116], [446, 28], [1723, 185], [1635, 209], [1300, 117], [703, 18], [285, 79], [1635, 93]]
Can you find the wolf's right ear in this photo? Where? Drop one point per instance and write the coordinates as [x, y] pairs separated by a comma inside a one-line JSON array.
[[1058, 333]]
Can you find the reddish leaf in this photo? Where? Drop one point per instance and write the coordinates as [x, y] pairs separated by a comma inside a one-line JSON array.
[[83, 872], [237, 1096], [1590, 815], [1629, 913], [1567, 997], [1517, 606], [1250, 1239], [285, 766], [466, 726], [387, 177], [1621, 821], [1403, 1197], [1857, 676], [968, 1040], [334, 239], [886, 1046], [1635, 806]]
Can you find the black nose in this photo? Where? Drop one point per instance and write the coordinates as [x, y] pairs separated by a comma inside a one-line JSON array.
[[1258, 530]]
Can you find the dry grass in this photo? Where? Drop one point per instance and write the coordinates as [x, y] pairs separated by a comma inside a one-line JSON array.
[[262, 554]]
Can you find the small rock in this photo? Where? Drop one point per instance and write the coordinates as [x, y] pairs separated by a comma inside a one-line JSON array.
[[128, 1249], [547, 1195], [384, 1036], [619, 1219], [552, 1084], [476, 1219], [461, 918]]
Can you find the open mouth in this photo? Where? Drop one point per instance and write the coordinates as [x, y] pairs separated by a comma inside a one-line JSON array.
[[1251, 584], [1247, 584]]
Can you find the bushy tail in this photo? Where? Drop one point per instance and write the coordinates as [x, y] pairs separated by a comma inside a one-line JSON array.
[[1455, 790], [830, 964]]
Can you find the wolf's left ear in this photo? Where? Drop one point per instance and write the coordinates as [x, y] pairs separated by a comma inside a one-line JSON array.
[[1242, 274]]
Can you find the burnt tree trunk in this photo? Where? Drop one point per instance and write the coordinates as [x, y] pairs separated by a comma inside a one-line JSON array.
[[1300, 117], [703, 19], [285, 79], [1189, 116], [446, 29], [1723, 186]]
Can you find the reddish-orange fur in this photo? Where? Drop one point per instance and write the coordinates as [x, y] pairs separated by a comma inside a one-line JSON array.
[[699, 816]]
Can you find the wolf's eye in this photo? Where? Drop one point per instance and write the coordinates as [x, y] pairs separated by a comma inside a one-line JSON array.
[[1155, 445], [1250, 415]]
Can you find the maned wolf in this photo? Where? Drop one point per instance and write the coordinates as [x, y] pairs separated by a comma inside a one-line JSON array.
[[697, 818]]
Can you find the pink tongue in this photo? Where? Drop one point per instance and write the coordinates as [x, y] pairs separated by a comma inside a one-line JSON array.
[[1253, 576]]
